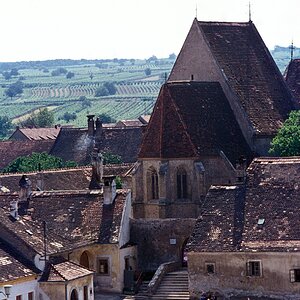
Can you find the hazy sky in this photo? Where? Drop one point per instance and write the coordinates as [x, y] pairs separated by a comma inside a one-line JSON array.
[[49, 29]]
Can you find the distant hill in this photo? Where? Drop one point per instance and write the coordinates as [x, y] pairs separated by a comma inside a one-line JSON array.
[[282, 56]]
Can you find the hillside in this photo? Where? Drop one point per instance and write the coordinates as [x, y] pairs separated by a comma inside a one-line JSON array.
[[45, 84]]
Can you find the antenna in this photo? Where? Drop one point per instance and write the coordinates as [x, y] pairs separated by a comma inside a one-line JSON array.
[[196, 11], [292, 48], [250, 11]]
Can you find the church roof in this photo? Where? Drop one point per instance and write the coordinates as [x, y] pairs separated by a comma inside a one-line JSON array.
[[292, 77], [262, 217], [236, 55], [192, 119], [251, 72]]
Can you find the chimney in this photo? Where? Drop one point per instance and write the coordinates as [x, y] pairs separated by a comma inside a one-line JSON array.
[[97, 170], [14, 209], [91, 125], [109, 191], [25, 188], [98, 127], [240, 168]]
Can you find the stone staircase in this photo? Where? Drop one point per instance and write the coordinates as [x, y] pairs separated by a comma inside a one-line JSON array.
[[174, 286]]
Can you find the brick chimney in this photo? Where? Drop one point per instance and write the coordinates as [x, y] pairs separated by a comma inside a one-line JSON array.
[[91, 125], [98, 127]]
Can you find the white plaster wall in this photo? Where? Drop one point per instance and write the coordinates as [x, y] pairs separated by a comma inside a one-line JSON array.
[[124, 234], [22, 288]]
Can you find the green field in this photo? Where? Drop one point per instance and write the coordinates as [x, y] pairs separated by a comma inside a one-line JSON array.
[[135, 91]]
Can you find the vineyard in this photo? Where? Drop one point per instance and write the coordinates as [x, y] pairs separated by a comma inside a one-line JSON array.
[[135, 93]]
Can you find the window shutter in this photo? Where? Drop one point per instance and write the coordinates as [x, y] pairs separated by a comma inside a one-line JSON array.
[[292, 275]]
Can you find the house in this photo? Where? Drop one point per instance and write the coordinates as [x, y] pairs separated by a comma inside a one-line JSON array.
[[235, 55], [82, 233], [35, 134], [246, 240], [77, 144], [11, 149], [292, 78]]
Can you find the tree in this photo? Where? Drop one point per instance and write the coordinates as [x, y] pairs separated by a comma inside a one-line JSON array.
[[85, 102], [42, 118], [105, 118], [287, 140], [36, 161], [6, 75], [172, 56], [59, 71], [5, 125], [110, 86], [14, 89], [69, 116], [110, 158], [148, 71], [70, 75], [101, 91]]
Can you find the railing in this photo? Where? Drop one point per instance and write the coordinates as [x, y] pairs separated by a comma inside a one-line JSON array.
[[159, 274]]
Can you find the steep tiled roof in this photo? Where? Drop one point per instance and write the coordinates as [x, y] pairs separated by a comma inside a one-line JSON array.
[[36, 134], [263, 218], [65, 271], [191, 119], [11, 266], [219, 227], [74, 218], [292, 77], [10, 150], [273, 194], [75, 143], [251, 72]]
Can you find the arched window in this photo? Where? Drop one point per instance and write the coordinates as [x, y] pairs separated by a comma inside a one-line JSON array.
[[84, 260], [74, 295], [152, 184], [181, 184]]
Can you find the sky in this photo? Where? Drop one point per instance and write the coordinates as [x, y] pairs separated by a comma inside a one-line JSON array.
[[100, 29]]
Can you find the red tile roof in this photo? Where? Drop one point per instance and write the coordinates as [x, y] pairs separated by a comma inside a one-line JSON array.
[[65, 271], [10, 150], [192, 119], [36, 134], [292, 77]]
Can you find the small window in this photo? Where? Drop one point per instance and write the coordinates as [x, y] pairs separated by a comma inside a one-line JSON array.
[[210, 268], [152, 184], [295, 275], [103, 266], [19, 297], [30, 296], [181, 184], [254, 268], [85, 292]]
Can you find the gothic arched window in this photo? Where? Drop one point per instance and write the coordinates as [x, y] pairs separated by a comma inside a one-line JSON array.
[[181, 184], [152, 184]]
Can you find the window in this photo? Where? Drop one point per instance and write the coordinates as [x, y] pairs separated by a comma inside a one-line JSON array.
[[254, 268], [103, 265], [152, 184], [30, 296], [210, 268], [295, 275], [181, 184], [19, 297]]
